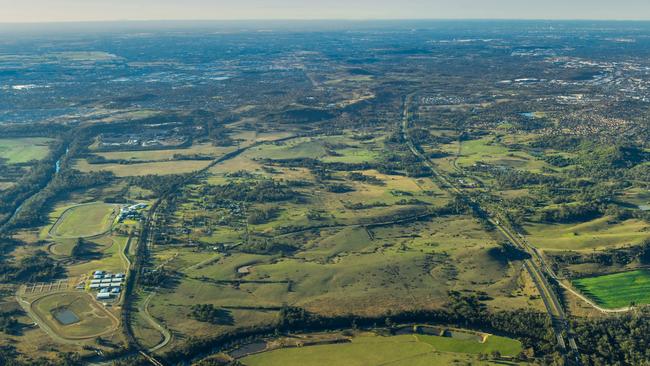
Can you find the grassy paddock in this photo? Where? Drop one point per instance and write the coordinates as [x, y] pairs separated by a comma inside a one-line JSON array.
[[618, 289], [377, 350], [595, 234], [22, 150]]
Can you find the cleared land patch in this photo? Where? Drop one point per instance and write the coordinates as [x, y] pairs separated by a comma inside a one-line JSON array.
[[617, 290]]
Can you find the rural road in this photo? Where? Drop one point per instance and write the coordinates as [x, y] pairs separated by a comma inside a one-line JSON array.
[[167, 336]]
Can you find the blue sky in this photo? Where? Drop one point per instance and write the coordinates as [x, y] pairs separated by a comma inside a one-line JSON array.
[[91, 10]]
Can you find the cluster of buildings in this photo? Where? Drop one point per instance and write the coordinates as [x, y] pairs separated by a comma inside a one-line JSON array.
[[107, 284], [132, 212]]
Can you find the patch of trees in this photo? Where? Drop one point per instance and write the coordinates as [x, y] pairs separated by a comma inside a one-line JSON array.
[[33, 211], [83, 249], [267, 246], [614, 340], [38, 267], [558, 160], [407, 163], [363, 206], [8, 323], [260, 191], [262, 215], [508, 252], [370, 179], [210, 314], [559, 142], [516, 179], [159, 184], [160, 277], [338, 188], [315, 164], [570, 213], [613, 157]]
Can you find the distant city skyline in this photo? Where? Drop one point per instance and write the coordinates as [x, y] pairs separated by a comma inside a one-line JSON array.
[[104, 10]]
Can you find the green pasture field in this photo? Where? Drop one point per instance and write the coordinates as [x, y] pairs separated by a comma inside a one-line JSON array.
[[595, 234], [506, 346], [22, 150], [131, 170], [93, 318], [345, 150], [337, 271], [372, 350], [85, 220], [63, 246], [489, 151], [617, 290]]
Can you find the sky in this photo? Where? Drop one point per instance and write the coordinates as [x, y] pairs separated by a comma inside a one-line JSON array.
[[105, 10]]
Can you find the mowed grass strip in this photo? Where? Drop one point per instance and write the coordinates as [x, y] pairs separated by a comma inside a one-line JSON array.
[[617, 290], [84, 220], [140, 169]]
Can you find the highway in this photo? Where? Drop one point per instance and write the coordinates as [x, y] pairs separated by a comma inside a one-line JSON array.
[[535, 265]]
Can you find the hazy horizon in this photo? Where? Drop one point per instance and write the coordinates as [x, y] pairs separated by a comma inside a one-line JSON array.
[[44, 11]]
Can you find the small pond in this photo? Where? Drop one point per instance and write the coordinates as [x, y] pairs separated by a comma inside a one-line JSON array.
[[65, 316]]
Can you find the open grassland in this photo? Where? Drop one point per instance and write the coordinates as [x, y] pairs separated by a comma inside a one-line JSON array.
[[618, 289], [139, 169], [368, 350], [596, 234], [22, 150], [329, 148], [338, 271], [93, 319], [638, 197], [85, 220]]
